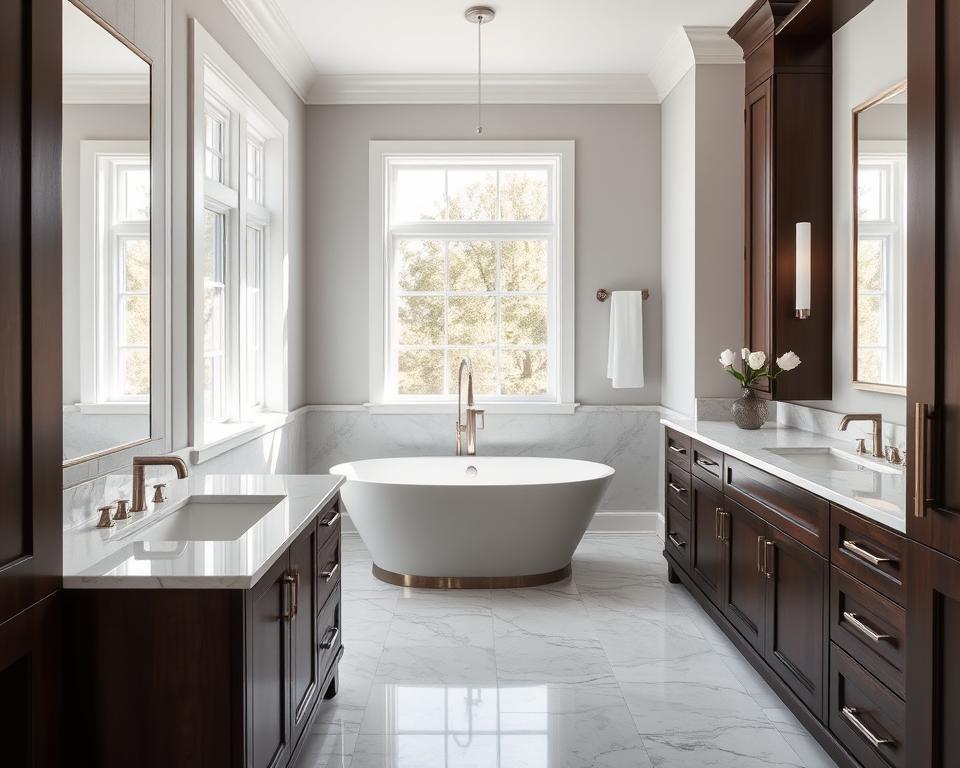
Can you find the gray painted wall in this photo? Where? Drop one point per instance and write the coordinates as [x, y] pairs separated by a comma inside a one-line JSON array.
[[869, 56], [617, 228]]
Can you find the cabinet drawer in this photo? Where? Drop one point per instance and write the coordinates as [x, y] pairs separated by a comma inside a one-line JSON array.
[[677, 490], [677, 448], [677, 536], [707, 464], [869, 627], [328, 569], [329, 522], [793, 510], [864, 715], [329, 638], [873, 554]]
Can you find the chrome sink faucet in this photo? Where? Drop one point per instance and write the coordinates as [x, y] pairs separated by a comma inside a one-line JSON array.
[[469, 426], [140, 463], [877, 420]]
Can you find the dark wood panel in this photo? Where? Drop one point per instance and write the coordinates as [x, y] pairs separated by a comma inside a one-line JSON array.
[[820, 17], [796, 511], [796, 629], [677, 448], [870, 628], [933, 663], [708, 464], [305, 672], [677, 539], [879, 713], [328, 567], [707, 552], [744, 584], [872, 553], [154, 677]]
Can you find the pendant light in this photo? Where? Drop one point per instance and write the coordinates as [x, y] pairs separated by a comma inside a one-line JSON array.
[[479, 15]]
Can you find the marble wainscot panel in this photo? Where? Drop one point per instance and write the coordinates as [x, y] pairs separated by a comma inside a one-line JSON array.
[[828, 423], [718, 409], [625, 437], [281, 451]]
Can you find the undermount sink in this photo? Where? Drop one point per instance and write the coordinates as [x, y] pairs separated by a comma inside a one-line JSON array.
[[209, 518], [824, 459]]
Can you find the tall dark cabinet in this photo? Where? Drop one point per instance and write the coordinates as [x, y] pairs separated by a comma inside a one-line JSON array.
[[933, 383], [30, 382]]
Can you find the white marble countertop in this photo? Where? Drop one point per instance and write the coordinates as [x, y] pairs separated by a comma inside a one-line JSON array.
[[881, 497], [116, 558]]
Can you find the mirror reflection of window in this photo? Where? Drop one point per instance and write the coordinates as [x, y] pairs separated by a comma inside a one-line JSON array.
[[881, 242], [106, 239]]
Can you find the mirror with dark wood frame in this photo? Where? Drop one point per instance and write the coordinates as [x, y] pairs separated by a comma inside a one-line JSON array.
[[106, 239]]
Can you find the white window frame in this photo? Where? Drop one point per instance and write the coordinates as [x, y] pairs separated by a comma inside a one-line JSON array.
[[218, 81], [891, 156], [99, 385], [558, 156]]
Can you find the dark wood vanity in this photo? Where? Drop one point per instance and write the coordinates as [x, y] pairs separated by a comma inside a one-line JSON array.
[[208, 677], [812, 595]]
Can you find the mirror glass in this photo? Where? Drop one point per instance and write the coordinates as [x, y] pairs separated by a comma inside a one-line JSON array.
[[106, 239], [880, 236]]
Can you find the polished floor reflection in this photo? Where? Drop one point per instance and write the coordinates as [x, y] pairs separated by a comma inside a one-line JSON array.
[[613, 668]]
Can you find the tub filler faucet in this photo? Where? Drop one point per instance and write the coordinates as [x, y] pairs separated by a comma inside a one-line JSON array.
[[470, 425]]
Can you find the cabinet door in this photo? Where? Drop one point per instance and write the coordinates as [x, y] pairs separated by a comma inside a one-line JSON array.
[[268, 674], [933, 312], [744, 583], [796, 602], [304, 678], [933, 659], [706, 546], [758, 234]]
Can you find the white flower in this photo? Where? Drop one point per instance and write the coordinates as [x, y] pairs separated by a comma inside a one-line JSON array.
[[788, 361], [756, 360], [727, 358], [744, 353]]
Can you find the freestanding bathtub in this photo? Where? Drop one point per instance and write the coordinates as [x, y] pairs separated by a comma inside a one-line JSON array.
[[472, 521]]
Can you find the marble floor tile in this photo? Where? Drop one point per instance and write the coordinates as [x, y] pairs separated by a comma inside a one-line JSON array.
[[611, 668]]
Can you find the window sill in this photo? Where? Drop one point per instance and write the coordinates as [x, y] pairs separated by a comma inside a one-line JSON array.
[[222, 438], [531, 408], [114, 409]]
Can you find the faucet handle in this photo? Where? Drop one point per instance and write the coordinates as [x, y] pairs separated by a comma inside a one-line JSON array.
[[892, 454], [105, 521], [483, 417], [122, 512], [158, 494], [861, 445]]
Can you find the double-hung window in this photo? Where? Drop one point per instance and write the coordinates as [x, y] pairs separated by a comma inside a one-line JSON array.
[[239, 234], [472, 257]]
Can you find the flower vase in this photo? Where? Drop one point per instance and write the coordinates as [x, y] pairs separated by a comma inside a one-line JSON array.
[[749, 411]]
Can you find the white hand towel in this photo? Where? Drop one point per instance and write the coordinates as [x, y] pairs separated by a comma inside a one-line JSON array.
[[625, 350]]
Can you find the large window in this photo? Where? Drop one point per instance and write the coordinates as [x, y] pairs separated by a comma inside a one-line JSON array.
[[239, 233], [473, 257]]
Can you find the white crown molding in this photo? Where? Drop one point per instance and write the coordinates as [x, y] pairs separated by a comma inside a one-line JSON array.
[[688, 47], [497, 89], [98, 88], [265, 23]]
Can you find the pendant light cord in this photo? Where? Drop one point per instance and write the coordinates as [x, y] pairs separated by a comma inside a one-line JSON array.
[[479, 76]]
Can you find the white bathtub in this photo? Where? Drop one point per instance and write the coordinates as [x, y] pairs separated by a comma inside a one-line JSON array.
[[472, 521]]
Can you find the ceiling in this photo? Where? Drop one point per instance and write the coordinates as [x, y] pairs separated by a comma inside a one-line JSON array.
[[387, 37]]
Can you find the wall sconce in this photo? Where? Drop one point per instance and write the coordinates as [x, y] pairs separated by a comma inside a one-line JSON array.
[[803, 270]]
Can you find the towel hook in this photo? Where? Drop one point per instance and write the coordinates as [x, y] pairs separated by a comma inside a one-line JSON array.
[[603, 294]]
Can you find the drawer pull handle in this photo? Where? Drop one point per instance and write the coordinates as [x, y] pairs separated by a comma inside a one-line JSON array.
[[920, 498], [675, 541], [760, 554], [292, 579], [855, 621], [330, 572], [706, 463], [329, 638], [677, 488], [851, 716], [678, 449], [856, 549], [768, 569], [331, 520]]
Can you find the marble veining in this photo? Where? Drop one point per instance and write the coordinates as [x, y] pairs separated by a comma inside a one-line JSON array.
[[118, 558], [613, 668], [878, 496]]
